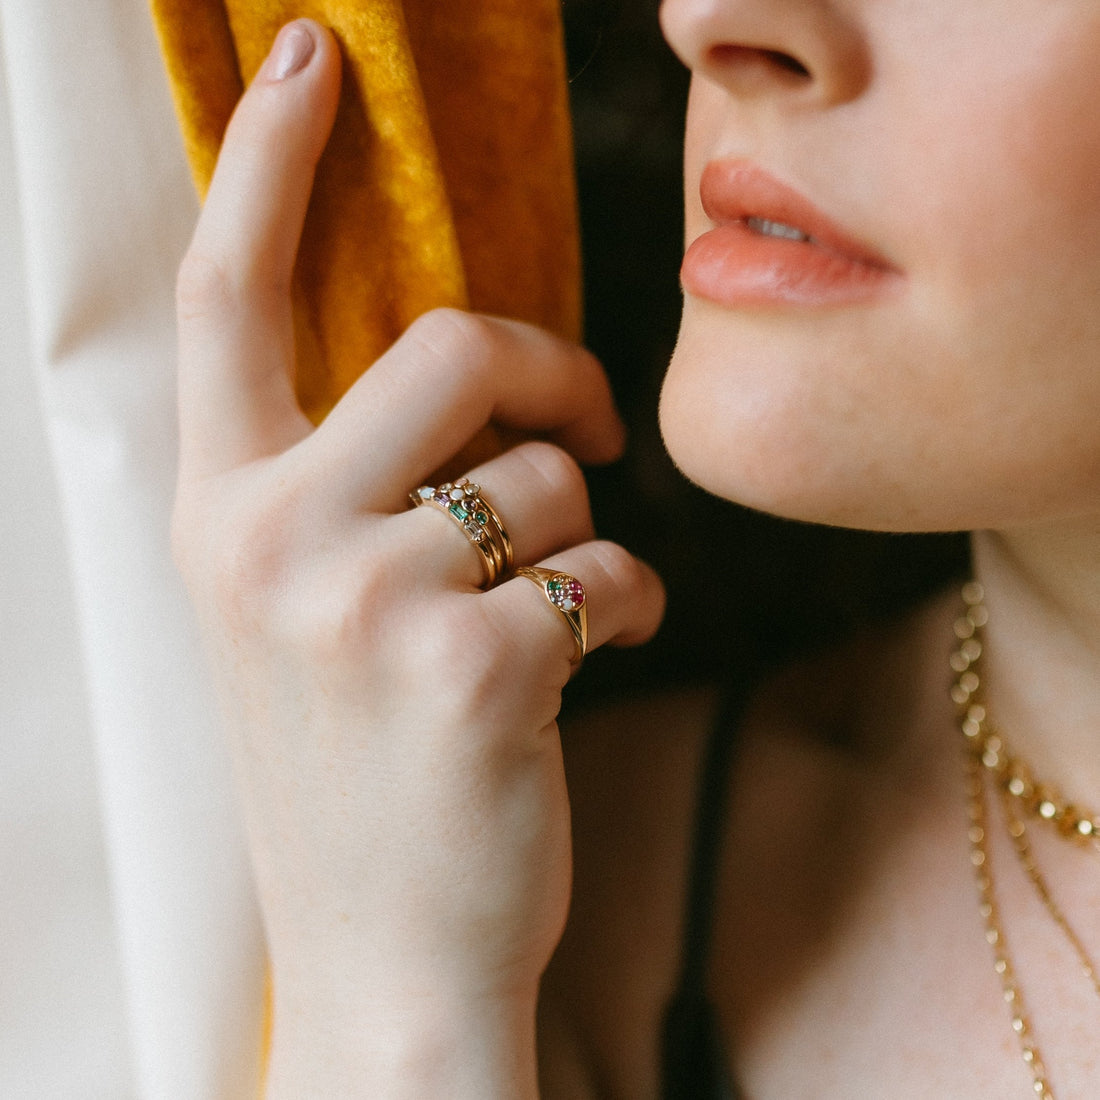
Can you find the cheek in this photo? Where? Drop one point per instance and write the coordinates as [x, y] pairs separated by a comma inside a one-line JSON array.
[[998, 163], [1003, 244]]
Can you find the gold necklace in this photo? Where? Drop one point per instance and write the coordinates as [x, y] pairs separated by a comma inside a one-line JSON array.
[[983, 874], [1019, 792], [1017, 830], [1037, 799]]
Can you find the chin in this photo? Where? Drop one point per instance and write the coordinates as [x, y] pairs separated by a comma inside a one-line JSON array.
[[781, 466], [761, 450], [729, 452]]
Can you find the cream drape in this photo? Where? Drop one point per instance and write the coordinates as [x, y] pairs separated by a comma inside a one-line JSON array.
[[131, 960]]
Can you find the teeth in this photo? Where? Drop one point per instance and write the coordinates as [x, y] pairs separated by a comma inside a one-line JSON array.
[[775, 229]]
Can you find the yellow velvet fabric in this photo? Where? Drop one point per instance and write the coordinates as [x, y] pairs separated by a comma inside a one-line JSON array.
[[448, 179]]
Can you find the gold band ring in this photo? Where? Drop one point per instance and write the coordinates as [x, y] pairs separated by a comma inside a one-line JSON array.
[[567, 596], [463, 502]]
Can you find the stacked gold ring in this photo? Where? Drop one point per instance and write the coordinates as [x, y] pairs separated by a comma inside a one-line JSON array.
[[463, 502]]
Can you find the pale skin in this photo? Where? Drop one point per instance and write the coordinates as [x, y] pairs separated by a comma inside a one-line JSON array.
[[413, 851]]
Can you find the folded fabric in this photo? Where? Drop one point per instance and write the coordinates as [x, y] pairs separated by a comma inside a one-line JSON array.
[[449, 177]]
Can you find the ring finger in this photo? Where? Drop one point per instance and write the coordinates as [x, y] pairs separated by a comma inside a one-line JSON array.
[[539, 494]]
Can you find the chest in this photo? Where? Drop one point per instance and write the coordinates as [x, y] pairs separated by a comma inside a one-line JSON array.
[[875, 978]]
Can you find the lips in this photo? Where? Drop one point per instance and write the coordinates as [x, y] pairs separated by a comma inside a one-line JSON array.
[[772, 246]]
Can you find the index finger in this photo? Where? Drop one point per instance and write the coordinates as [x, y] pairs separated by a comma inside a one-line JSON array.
[[236, 332]]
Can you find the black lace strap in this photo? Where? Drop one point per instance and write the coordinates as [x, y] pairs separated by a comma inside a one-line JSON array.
[[695, 1064]]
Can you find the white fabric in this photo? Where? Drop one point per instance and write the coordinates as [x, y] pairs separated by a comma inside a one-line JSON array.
[[130, 952]]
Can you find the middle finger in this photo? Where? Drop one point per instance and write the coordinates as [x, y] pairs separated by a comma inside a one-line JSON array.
[[445, 379]]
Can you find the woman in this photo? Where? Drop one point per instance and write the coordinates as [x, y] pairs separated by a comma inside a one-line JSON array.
[[889, 323]]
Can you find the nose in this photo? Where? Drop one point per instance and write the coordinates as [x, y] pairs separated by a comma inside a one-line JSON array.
[[804, 50]]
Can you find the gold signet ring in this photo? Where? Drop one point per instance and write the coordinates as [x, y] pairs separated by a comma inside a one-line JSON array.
[[567, 596]]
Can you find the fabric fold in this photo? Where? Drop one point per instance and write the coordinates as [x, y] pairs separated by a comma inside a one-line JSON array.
[[129, 849]]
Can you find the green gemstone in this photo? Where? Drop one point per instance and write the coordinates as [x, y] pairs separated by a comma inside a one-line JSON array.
[[459, 511]]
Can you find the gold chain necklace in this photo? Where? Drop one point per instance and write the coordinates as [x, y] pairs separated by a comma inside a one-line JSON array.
[[983, 874], [1036, 799], [1017, 830], [1019, 792]]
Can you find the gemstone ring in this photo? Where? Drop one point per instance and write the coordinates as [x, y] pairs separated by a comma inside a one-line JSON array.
[[463, 502], [567, 596]]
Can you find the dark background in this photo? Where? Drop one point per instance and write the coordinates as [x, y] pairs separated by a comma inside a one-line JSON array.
[[745, 590]]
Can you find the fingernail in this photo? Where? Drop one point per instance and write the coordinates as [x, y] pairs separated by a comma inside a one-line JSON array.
[[293, 48]]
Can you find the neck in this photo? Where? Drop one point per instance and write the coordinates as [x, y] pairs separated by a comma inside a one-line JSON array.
[[1041, 668]]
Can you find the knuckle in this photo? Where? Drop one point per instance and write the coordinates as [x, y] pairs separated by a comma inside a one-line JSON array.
[[460, 340], [336, 625], [620, 567], [554, 470], [207, 285], [474, 673], [447, 642], [244, 572], [203, 285], [240, 564]]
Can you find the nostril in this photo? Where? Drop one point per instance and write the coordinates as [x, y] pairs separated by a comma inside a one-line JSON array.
[[785, 61], [753, 57]]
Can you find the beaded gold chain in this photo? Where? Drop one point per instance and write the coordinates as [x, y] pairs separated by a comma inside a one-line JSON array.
[[1012, 775], [1002, 960], [1021, 795], [1017, 830]]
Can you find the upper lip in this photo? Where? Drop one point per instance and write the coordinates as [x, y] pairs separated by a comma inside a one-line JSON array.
[[734, 190]]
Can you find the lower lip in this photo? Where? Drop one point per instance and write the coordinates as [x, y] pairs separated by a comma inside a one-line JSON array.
[[733, 265]]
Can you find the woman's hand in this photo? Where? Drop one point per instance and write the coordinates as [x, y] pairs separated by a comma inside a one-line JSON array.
[[394, 725]]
